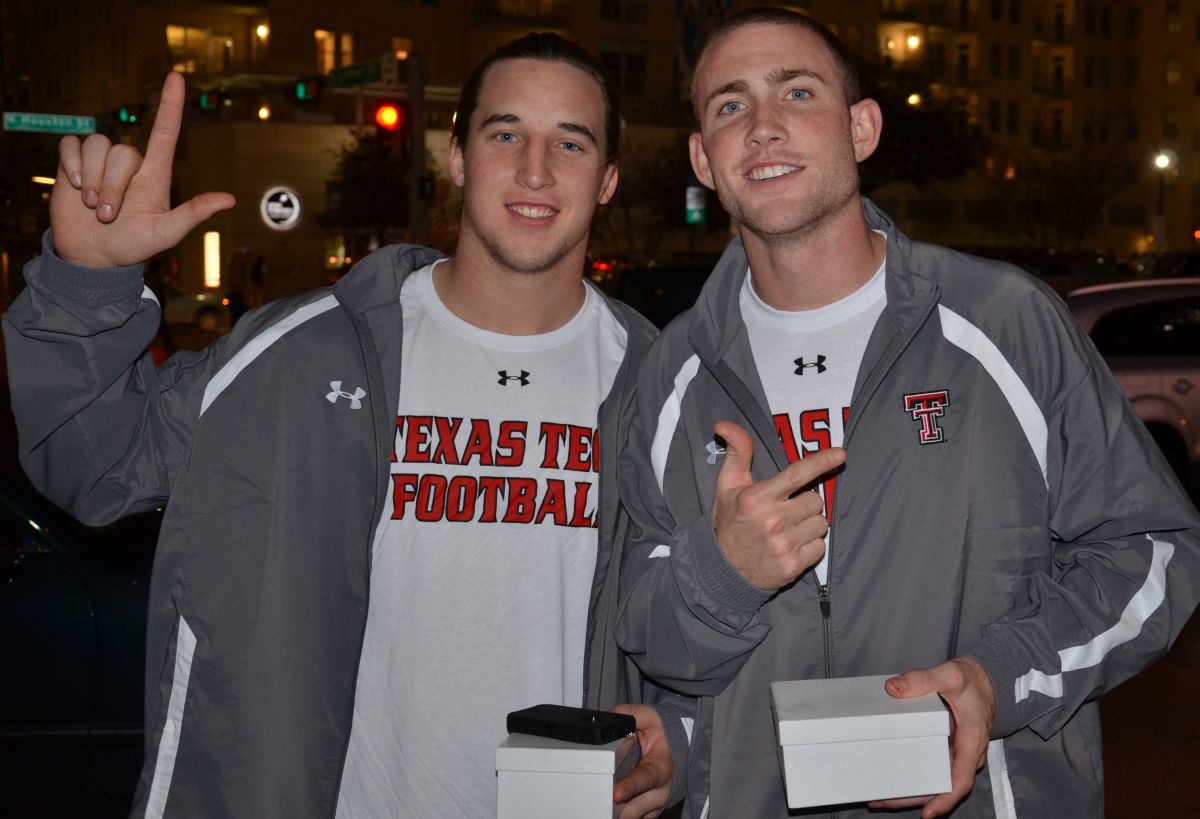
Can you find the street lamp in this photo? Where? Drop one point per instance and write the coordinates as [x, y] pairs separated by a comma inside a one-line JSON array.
[[1164, 161]]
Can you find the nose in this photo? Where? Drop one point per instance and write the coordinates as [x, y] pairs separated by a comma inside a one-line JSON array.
[[534, 169], [766, 126]]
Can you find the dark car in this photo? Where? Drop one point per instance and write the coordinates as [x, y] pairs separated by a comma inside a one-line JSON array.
[[72, 650]]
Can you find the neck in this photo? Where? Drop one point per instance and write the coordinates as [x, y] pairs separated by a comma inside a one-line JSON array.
[[823, 265], [480, 292]]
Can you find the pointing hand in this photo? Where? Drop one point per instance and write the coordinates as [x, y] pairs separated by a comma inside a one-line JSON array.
[[770, 531], [111, 206]]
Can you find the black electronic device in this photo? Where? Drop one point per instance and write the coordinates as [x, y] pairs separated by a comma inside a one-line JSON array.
[[571, 724]]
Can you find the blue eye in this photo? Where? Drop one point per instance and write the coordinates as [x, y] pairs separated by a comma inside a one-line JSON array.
[[799, 94], [506, 136], [731, 107]]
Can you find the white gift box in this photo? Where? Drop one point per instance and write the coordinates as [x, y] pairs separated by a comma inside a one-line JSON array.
[[847, 740], [540, 778]]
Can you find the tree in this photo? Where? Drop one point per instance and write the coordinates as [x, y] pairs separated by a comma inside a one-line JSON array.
[[929, 141], [367, 198]]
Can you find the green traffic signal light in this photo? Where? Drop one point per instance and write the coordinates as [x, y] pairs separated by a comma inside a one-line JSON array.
[[208, 101], [127, 115]]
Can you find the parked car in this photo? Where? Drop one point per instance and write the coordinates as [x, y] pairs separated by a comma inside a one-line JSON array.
[[208, 312], [1149, 333], [72, 649]]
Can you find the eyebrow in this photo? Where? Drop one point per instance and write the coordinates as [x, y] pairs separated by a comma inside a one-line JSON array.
[[776, 77], [569, 127]]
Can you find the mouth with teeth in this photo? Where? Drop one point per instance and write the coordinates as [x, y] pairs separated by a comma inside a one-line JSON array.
[[533, 211], [764, 172]]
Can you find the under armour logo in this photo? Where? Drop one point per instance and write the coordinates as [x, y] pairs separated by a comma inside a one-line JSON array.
[[505, 378], [337, 392], [714, 451], [927, 407], [819, 364]]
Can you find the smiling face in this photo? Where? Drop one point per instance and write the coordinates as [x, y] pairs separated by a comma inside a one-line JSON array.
[[777, 139], [534, 170]]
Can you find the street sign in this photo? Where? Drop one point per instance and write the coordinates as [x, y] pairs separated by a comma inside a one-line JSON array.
[[356, 74], [49, 123]]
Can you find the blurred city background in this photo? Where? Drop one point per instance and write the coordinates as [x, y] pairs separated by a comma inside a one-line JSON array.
[[1061, 135]]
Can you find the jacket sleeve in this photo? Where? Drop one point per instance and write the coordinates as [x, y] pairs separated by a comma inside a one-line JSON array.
[[688, 618], [1126, 561], [101, 430]]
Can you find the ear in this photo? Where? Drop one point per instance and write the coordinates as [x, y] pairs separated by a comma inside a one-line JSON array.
[[608, 187], [866, 125], [700, 161], [456, 164]]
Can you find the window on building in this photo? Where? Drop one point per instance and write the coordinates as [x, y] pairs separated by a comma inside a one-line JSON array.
[[937, 59], [195, 50], [1170, 123], [997, 10], [334, 49], [1174, 16], [1089, 126], [1135, 20], [994, 116], [1060, 21], [1056, 127], [996, 59], [1105, 72], [1059, 76], [1105, 21], [629, 11], [1089, 18], [964, 64], [1102, 126], [1131, 124], [1014, 61], [625, 61], [1173, 73], [1089, 71], [1014, 117], [1014, 11], [1132, 71]]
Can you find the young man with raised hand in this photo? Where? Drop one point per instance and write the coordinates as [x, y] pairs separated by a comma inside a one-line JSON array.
[[386, 521], [1002, 521]]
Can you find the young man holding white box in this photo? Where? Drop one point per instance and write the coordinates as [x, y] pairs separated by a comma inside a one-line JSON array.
[[1003, 521]]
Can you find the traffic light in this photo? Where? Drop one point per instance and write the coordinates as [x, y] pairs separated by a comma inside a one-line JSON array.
[[390, 131], [307, 89], [129, 114], [210, 100], [389, 117]]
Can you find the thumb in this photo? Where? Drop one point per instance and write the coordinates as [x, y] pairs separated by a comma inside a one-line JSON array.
[[183, 219], [911, 684], [739, 454]]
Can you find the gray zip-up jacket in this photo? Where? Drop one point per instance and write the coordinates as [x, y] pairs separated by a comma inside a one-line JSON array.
[[1001, 500], [259, 594]]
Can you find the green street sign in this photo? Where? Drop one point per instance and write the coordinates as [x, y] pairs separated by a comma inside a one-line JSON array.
[[49, 123], [357, 74]]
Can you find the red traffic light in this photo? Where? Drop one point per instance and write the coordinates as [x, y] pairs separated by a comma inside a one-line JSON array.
[[387, 116]]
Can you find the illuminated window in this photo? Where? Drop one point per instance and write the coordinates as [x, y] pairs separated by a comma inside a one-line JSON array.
[[195, 50], [334, 49]]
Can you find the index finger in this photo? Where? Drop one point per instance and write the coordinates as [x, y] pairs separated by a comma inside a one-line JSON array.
[[807, 470], [160, 149]]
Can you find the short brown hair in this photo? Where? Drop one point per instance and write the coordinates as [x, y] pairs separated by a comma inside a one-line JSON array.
[[774, 16], [551, 48]]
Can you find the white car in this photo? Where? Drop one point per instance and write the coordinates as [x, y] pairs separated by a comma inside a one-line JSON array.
[[208, 312], [1149, 333]]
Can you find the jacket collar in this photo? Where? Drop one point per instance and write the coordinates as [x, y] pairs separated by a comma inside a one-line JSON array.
[[716, 322]]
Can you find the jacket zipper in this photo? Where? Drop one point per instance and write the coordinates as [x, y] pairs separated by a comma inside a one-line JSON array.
[[901, 342], [375, 514]]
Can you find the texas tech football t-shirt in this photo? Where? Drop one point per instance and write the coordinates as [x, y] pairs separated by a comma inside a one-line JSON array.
[[808, 361], [483, 563]]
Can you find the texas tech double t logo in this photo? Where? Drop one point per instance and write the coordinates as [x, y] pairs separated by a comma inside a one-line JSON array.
[[927, 408]]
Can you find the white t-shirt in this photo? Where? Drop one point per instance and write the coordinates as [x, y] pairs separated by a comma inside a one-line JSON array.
[[808, 361], [483, 562]]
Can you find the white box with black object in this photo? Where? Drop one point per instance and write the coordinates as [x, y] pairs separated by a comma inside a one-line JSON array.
[[542, 778], [847, 740]]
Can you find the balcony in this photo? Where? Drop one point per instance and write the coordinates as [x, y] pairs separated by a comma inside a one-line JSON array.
[[942, 15]]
